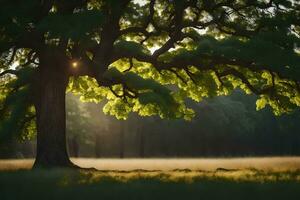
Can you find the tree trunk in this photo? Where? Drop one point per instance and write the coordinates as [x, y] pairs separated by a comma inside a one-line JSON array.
[[98, 145], [51, 115], [122, 142], [74, 147], [141, 131]]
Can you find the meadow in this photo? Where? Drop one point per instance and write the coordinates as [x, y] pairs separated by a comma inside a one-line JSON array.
[[238, 178]]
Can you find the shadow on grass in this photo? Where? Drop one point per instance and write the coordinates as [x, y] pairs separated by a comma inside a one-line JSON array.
[[154, 185]]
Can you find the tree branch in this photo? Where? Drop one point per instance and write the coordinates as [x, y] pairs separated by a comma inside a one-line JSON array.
[[12, 56], [9, 71], [130, 65], [177, 75], [243, 78]]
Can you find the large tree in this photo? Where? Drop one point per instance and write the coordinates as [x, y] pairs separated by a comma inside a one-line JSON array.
[[142, 56]]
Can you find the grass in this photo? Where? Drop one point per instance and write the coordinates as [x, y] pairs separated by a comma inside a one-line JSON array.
[[155, 184], [207, 164]]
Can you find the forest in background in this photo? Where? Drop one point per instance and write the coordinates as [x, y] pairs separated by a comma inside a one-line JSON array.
[[224, 126]]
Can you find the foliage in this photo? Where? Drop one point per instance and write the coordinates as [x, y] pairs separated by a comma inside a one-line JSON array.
[[149, 56], [77, 119], [17, 111], [222, 126]]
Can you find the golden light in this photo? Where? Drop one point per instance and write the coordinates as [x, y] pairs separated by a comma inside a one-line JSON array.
[[74, 64]]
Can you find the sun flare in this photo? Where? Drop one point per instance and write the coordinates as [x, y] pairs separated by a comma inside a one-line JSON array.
[[74, 64]]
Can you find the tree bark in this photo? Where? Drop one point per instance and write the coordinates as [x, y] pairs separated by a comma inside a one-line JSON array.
[[51, 115], [98, 145]]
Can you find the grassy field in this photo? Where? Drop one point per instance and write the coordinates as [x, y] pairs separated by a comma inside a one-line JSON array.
[[207, 164], [254, 179]]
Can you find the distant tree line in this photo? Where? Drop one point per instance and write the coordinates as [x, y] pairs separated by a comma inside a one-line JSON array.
[[223, 126]]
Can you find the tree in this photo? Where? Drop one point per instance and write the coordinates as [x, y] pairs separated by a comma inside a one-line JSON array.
[[77, 123], [142, 56]]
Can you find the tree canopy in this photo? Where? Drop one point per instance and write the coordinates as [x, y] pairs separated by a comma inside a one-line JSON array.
[[148, 56]]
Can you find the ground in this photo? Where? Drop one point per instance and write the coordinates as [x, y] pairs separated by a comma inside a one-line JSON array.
[[248, 178]]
